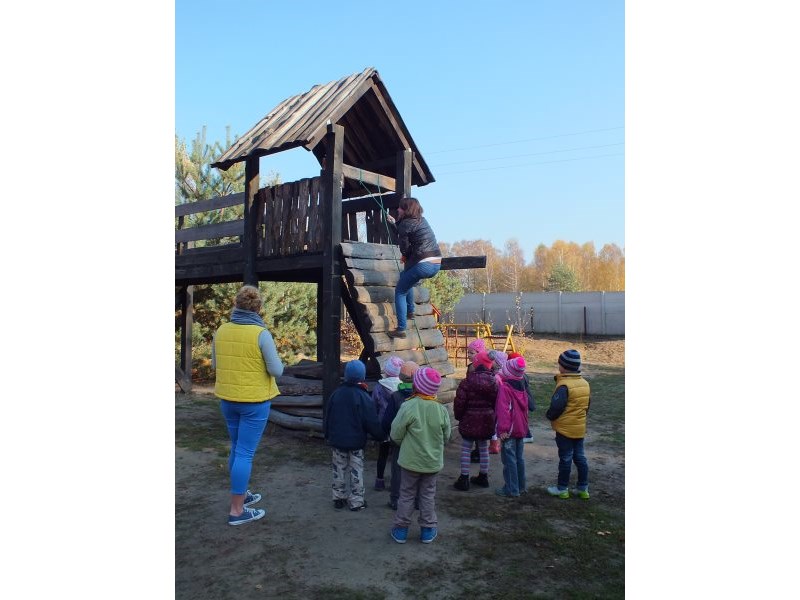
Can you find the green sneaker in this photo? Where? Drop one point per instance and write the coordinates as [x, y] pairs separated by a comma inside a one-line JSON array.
[[581, 493], [554, 490]]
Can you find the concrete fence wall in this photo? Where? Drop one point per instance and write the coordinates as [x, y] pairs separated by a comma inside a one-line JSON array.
[[587, 313]]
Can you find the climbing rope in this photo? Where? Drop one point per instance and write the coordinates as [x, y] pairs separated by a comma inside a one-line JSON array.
[[385, 214]]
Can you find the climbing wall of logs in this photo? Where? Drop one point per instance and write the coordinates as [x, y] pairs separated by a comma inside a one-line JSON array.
[[371, 272]]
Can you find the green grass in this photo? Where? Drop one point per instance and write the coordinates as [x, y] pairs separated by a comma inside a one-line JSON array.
[[338, 592], [607, 410], [199, 426], [574, 548], [606, 418]]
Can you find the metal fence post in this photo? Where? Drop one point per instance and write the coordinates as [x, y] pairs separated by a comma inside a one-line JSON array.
[[559, 312]]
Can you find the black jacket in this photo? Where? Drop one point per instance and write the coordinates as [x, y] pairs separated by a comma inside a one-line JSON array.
[[402, 394], [416, 240]]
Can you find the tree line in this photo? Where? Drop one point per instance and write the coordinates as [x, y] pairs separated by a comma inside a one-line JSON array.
[[564, 266]]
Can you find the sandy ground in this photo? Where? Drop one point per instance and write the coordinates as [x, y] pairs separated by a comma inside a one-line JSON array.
[[304, 548]]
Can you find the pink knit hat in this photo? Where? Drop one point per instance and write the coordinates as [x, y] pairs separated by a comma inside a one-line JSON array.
[[514, 368], [478, 345], [427, 381], [481, 359], [392, 366], [407, 371]]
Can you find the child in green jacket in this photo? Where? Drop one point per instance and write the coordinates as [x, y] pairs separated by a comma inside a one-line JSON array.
[[421, 429]]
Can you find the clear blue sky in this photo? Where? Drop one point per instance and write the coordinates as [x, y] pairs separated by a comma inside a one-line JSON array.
[[517, 106]]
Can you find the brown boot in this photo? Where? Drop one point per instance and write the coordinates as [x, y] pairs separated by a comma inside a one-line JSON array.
[[396, 333]]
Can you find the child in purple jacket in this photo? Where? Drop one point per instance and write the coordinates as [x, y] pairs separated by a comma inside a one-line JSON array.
[[380, 396], [474, 408]]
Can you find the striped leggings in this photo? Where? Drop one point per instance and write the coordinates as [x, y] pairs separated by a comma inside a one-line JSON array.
[[483, 450]]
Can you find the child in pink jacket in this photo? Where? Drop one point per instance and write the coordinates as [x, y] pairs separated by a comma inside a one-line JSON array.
[[512, 408]]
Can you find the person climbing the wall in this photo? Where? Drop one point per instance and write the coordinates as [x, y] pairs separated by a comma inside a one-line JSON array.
[[421, 257]]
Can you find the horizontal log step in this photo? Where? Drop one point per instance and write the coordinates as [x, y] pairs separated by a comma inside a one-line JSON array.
[[378, 324], [434, 355], [385, 309], [431, 338], [369, 250], [295, 422], [295, 411], [297, 386], [384, 293], [307, 400]]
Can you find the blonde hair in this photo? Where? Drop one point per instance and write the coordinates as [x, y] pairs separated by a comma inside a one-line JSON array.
[[249, 298]]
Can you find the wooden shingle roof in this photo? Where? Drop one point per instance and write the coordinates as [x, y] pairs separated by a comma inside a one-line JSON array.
[[373, 129]]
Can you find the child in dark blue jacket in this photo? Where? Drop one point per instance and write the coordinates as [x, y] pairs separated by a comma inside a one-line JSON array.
[[350, 417]]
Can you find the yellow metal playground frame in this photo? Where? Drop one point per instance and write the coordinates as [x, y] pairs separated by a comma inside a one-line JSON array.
[[457, 336]]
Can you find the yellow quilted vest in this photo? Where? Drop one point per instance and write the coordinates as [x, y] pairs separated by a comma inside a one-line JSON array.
[[572, 422], [241, 373]]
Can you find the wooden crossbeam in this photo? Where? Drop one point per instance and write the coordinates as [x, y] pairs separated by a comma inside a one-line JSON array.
[[368, 177]]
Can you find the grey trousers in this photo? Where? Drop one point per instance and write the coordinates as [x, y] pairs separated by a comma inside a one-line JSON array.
[[342, 462], [412, 485]]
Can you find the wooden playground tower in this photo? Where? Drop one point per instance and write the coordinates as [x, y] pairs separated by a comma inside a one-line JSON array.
[[307, 230]]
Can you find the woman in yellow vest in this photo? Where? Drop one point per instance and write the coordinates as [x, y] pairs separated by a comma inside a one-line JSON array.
[[247, 363]]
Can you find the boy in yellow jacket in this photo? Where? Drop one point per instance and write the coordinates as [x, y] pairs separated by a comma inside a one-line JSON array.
[[567, 415]]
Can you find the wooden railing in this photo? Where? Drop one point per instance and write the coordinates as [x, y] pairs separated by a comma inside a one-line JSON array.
[[289, 218], [288, 222]]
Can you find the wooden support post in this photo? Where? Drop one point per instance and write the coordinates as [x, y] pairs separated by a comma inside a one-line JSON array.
[[250, 237], [405, 158], [187, 298], [319, 321], [331, 310]]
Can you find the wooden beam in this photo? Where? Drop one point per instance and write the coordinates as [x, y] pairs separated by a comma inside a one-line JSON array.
[[187, 310], [225, 253], [403, 166], [250, 239], [183, 382], [191, 208], [463, 262], [368, 177], [207, 232], [390, 200], [331, 309]]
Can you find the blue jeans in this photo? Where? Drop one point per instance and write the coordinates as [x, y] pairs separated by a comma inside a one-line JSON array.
[[404, 292], [569, 451], [511, 453], [246, 422]]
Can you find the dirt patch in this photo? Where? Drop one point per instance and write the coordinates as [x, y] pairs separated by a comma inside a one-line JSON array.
[[304, 548]]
